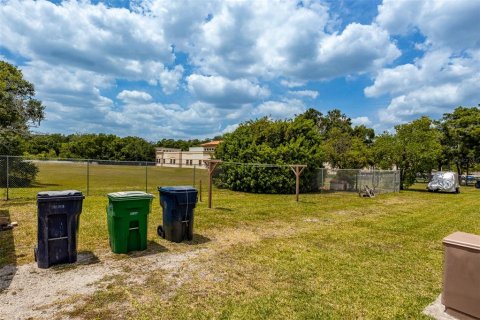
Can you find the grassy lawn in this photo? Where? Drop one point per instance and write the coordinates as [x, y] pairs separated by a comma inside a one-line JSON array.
[[265, 256]]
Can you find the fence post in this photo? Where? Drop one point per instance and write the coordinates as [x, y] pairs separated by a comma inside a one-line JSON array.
[[146, 177], [194, 166], [8, 173], [321, 179], [88, 177], [200, 191], [356, 180], [297, 169], [373, 179], [212, 164], [395, 189]]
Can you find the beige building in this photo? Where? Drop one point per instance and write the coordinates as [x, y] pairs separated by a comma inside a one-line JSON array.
[[171, 157]]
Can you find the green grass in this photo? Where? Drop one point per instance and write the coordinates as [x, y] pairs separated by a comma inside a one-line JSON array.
[[329, 256]]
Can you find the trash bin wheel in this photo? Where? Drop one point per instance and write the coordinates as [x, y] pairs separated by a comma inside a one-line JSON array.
[[160, 232]]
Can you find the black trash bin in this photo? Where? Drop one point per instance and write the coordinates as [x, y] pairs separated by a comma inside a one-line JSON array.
[[58, 221], [178, 205], [477, 184]]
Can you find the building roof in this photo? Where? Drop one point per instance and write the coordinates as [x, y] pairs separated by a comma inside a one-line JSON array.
[[213, 143]]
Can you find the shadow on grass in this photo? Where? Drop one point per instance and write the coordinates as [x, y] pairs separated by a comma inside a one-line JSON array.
[[223, 209], [42, 185], [87, 258], [415, 190], [84, 258], [152, 248], [198, 239], [8, 258], [426, 191]]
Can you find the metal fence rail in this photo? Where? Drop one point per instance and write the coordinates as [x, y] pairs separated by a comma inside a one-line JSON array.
[[23, 178]]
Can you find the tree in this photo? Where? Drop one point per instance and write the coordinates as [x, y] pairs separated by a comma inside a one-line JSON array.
[[107, 147], [345, 147], [45, 145], [182, 144], [265, 141], [344, 150], [461, 137], [19, 111], [414, 148], [136, 149]]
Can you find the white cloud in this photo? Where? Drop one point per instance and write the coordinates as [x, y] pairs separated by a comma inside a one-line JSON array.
[[445, 23], [72, 97], [230, 128], [170, 79], [287, 108], [223, 92], [278, 38], [96, 38], [448, 73], [292, 84], [305, 93], [134, 96], [361, 120]]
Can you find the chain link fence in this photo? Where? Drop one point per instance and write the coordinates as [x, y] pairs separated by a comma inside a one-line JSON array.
[[355, 180], [23, 178]]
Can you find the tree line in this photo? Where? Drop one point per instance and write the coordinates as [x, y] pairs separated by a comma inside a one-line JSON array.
[[98, 146], [315, 139]]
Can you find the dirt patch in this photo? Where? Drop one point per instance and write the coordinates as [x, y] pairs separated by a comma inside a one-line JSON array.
[[345, 212], [393, 201], [36, 293]]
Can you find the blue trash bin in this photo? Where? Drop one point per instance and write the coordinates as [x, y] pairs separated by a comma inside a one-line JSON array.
[[58, 222], [178, 204]]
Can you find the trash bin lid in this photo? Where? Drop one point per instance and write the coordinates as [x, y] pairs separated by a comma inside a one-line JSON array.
[[57, 194], [46, 196], [129, 195], [463, 239], [177, 189]]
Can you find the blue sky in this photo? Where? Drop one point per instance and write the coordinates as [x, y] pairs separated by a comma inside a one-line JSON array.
[[187, 69]]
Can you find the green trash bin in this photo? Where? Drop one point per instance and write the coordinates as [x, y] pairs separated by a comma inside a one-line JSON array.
[[127, 217]]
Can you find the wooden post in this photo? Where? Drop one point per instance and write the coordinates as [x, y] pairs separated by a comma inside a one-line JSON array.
[[200, 191], [212, 164], [297, 169], [146, 176], [194, 175], [88, 177], [7, 177]]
